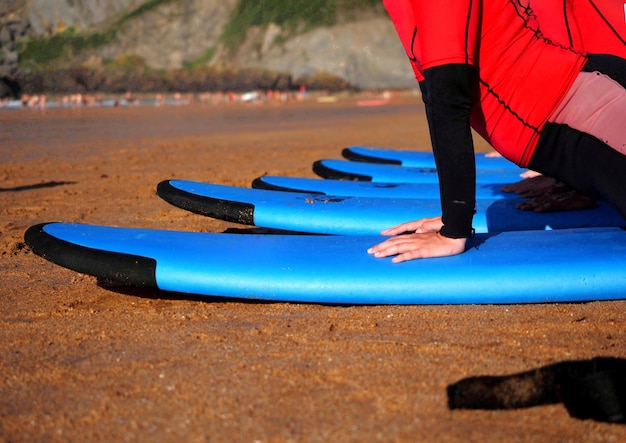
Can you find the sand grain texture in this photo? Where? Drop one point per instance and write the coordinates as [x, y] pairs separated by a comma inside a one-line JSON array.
[[86, 361]]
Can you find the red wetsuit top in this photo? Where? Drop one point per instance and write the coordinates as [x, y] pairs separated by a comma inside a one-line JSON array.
[[522, 75], [594, 26], [484, 64]]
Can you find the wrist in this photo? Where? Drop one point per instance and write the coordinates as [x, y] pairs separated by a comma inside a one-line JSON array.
[[457, 232], [457, 245]]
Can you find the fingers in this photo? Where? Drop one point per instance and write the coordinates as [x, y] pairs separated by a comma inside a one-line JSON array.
[[395, 246], [433, 224], [422, 241], [403, 228], [560, 201], [554, 188], [529, 185], [413, 246]]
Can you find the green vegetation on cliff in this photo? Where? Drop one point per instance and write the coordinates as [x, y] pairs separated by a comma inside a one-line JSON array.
[[39, 53], [62, 62], [291, 14]]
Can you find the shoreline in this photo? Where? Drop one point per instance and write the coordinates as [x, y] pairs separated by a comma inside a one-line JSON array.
[[45, 102]]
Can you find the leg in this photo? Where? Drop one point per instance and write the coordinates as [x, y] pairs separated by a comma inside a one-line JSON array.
[[583, 162], [585, 144]]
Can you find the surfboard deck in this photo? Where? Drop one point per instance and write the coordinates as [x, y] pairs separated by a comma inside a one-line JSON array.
[[347, 188], [512, 267], [416, 159], [351, 170], [321, 214]]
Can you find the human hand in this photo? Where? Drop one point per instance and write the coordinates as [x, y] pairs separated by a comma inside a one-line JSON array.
[[549, 189], [537, 184], [433, 224], [559, 201], [545, 194], [418, 245]]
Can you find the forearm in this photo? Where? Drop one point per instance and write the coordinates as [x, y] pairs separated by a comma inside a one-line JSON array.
[[447, 93]]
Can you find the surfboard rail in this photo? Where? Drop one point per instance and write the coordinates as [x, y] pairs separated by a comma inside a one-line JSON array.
[[512, 267]]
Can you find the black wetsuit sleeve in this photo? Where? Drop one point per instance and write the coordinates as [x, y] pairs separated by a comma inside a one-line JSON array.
[[447, 94]]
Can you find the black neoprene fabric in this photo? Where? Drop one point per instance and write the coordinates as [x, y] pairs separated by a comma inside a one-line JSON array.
[[581, 160], [611, 65], [447, 94]]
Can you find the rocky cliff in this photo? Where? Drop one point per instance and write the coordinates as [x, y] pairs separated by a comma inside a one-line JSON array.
[[54, 43]]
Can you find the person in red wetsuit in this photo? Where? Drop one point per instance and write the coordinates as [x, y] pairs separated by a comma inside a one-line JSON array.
[[602, 30], [542, 102]]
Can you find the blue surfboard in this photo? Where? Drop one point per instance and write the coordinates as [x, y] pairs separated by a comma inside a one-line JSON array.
[[512, 267], [415, 159], [349, 188], [313, 213], [350, 170]]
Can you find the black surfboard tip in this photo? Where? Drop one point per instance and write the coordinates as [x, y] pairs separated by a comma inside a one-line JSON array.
[[325, 172], [349, 154], [221, 209], [261, 183], [122, 268]]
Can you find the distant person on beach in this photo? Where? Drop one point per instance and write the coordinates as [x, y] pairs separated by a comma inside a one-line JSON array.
[[526, 85]]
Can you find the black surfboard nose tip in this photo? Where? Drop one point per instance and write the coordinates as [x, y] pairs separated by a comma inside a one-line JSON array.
[[320, 168]]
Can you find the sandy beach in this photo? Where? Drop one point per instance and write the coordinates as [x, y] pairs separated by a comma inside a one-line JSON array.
[[82, 361]]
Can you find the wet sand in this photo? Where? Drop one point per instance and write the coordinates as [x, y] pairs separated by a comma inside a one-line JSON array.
[[85, 361]]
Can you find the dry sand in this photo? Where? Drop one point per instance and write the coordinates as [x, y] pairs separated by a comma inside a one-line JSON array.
[[82, 361]]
